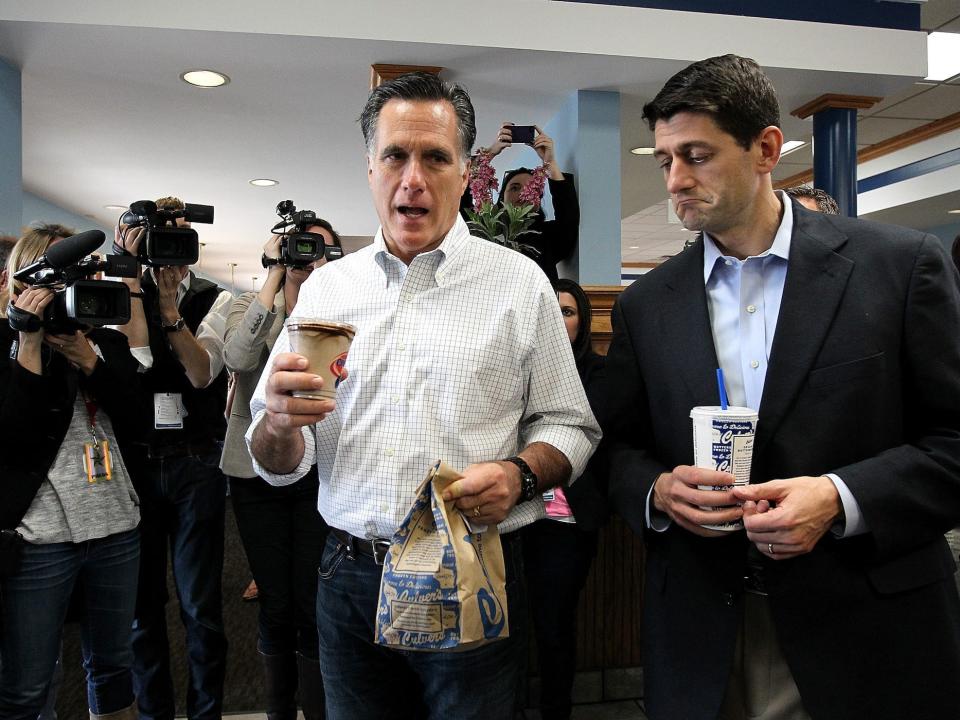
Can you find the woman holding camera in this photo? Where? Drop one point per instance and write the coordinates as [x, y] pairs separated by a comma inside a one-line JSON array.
[[70, 512], [282, 532]]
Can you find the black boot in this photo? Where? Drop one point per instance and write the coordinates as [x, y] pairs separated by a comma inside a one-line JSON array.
[[280, 673], [311, 688]]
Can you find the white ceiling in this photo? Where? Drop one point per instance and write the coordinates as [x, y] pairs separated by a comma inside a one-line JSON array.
[[107, 121]]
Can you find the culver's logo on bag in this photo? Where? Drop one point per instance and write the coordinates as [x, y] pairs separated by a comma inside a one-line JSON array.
[[443, 587]]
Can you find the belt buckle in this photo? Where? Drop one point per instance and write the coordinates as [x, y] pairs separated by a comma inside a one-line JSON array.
[[380, 547]]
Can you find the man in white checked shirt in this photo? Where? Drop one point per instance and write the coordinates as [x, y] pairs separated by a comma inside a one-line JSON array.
[[460, 355]]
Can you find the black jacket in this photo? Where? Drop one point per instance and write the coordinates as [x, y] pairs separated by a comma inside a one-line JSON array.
[[36, 410]]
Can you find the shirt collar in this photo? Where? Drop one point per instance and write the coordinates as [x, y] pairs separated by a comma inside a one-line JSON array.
[[451, 245], [779, 248]]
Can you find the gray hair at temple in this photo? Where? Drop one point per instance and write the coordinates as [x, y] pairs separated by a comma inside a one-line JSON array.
[[823, 201], [426, 87]]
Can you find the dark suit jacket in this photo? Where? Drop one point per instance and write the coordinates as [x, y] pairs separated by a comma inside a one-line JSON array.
[[863, 381]]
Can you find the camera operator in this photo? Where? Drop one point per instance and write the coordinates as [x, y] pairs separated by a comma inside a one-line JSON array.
[[69, 514], [554, 239], [175, 333], [283, 534]]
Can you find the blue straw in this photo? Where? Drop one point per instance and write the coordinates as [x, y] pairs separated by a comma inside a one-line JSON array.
[[723, 389]]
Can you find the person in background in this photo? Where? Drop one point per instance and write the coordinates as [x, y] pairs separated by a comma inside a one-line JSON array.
[[559, 550], [556, 239], [281, 530], [176, 329], [814, 199], [69, 502]]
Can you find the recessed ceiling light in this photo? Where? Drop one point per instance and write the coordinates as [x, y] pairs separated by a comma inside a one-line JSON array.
[[954, 212], [642, 150], [264, 182], [204, 78], [634, 247], [790, 145], [114, 207], [943, 55]]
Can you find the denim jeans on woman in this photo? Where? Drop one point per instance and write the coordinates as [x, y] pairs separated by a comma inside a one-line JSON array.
[[34, 606], [365, 681]]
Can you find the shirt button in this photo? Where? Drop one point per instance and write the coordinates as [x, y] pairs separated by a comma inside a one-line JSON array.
[[728, 599], [754, 364], [728, 262], [401, 347], [395, 399], [751, 308], [384, 508], [389, 452]]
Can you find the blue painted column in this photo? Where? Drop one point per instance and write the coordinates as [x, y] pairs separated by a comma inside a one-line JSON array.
[[11, 150], [835, 156], [586, 132], [835, 145]]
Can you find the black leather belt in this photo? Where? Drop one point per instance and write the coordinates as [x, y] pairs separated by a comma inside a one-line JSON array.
[[375, 549]]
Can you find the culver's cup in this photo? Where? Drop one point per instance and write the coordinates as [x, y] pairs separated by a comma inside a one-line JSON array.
[[325, 345], [723, 440]]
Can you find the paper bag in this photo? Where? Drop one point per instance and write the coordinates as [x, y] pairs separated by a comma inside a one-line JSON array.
[[443, 586]]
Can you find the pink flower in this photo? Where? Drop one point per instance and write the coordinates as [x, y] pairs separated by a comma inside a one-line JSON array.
[[483, 180], [532, 192]]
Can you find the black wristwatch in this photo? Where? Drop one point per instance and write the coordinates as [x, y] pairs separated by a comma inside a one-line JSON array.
[[178, 325], [528, 479]]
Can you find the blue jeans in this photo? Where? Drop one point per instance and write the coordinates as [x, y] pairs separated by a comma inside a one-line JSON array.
[[182, 506], [35, 603], [283, 536], [365, 681]]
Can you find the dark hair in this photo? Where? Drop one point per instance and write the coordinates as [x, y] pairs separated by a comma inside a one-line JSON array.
[[329, 228], [731, 89], [583, 342], [824, 200], [426, 87], [955, 252], [507, 177]]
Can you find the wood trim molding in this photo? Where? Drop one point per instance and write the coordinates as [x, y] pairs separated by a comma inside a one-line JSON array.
[[833, 100], [381, 73], [639, 264], [885, 147], [602, 300]]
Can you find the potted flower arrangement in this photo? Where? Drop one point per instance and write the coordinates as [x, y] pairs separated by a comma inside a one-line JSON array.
[[505, 224]]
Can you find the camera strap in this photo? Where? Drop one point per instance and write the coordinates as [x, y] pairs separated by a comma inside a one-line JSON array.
[[22, 320], [96, 454]]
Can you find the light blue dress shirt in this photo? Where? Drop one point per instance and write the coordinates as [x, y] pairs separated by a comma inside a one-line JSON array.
[[743, 298]]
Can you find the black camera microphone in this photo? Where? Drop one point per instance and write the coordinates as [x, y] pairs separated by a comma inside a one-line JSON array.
[[66, 252]]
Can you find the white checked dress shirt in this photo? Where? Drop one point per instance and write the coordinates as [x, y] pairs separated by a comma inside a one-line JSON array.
[[460, 356]]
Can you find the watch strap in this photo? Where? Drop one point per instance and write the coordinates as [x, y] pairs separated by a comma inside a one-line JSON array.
[[178, 325], [529, 483]]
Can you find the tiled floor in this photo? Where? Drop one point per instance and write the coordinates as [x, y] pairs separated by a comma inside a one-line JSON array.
[[620, 710]]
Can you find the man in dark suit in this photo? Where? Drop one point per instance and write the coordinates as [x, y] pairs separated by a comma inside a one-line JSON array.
[[837, 601]]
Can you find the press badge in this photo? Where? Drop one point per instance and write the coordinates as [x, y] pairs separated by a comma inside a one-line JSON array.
[[97, 462], [168, 411]]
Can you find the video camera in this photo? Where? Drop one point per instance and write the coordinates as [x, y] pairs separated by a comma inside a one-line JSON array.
[[78, 301], [299, 248], [164, 242]]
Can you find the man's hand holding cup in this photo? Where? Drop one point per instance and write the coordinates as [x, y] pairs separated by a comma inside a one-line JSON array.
[[677, 494]]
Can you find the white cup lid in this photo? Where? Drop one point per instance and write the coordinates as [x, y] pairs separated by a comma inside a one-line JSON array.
[[731, 411]]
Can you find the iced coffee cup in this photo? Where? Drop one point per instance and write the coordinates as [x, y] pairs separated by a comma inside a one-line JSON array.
[[723, 440], [325, 345]]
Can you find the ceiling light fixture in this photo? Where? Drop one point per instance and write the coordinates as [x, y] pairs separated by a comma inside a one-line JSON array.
[[954, 212], [114, 207], [790, 145], [642, 150], [943, 55], [264, 182], [204, 78]]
